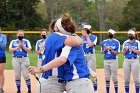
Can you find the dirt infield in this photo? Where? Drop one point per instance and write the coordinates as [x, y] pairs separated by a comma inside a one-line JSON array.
[[10, 86]]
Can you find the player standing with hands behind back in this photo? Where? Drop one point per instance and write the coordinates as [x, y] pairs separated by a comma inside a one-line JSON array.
[[111, 48], [131, 51], [89, 49], [20, 48]]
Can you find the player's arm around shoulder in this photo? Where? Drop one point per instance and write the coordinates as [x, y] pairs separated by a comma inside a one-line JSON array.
[[73, 41]]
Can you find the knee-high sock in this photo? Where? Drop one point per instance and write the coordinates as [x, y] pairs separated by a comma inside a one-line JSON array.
[[28, 83], [95, 85], [126, 87], [18, 83], [137, 87], [116, 86], [107, 86]]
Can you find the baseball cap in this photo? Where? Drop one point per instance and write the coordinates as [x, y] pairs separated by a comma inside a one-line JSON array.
[[111, 31], [87, 26], [131, 32]]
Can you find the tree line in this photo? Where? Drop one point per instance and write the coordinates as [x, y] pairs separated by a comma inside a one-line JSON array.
[[100, 14]]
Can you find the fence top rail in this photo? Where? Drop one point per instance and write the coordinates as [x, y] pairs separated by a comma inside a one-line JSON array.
[[77, 32]]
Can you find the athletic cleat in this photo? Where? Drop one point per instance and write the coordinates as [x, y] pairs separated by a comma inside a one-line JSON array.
[[29, 91], [1, 90], [18, 91]]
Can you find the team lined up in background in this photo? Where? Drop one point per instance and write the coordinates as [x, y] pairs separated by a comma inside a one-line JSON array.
[[67, 61]]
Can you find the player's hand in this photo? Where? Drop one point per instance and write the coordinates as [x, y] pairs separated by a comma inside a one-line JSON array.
[[106, 48], [125, 49], [34, 70], [42, 48], [132, 49], [20, 44]]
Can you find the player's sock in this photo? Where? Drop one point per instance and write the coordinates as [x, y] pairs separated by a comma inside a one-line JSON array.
[[28, 83], [137, 87], [95, 86], [18, 83], [126, 89], [116, 86], [107, 86], [1, 90]]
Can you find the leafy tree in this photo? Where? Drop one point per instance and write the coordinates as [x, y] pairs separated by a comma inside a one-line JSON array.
[[81, 12], [19, 14], [113, 13], [131, 15]]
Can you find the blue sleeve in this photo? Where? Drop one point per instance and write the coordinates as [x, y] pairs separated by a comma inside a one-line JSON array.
[[60, 42], [3, 42], [72, 56], [93, 39], [102, 47], [117, 47], [37, 46]]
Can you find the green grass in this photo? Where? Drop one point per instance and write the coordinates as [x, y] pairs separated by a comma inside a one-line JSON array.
[[33, 58]]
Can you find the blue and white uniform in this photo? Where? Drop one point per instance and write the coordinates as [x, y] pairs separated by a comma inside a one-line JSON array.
[[21, 52], [114, 45], [111, 62], [76, 72], [3, 41], [20, 61], [131, 63], [54, 44], [87, 49], [39, 44], [52, 79], [90, 55]]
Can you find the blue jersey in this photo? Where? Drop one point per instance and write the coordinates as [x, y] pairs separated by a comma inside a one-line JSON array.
[[114, 45], [53, 43], [20, 52], [128, 45], [38, 45], [76, 65], [3, 41], [86, 47]]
